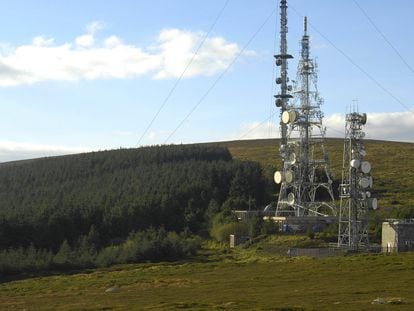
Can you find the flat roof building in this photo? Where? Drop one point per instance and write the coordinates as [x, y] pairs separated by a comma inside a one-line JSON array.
[[397, 235]]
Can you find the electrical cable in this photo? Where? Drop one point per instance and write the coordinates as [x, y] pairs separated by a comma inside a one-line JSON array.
[[256, 126], [384, 37], [184, 71], [273, 86], [220, 77], [370, 77]]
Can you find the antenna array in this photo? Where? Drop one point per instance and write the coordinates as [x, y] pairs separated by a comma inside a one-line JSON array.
[[355, 188], [306, 184]]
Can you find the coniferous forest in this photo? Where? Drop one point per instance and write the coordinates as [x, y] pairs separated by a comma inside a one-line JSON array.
[[124, 205]]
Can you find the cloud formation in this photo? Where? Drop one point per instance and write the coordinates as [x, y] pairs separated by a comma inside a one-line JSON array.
[[87, 58], [397, 126], [12, 150]]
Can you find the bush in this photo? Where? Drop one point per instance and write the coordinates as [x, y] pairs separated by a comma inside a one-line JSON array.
[[221, 232], [149, 245]]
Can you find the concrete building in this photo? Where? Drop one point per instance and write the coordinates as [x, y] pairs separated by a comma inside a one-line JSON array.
[[397, 235]]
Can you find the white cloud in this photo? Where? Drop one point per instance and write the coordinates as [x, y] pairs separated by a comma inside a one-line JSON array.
[[12, 150], [397, 126], [42, 41], [256, 130], [85, 40], [176, 49], [156, 136], [335, 125], [94, 27], [87, 58], [391, 126], [112, 41]]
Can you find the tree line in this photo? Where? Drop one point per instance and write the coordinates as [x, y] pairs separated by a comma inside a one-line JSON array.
[[179, 188]]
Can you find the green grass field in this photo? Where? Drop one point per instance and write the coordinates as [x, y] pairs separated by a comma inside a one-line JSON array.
[[227, 280]]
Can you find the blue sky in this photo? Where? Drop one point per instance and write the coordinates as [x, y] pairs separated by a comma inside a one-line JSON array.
[[90, 75]]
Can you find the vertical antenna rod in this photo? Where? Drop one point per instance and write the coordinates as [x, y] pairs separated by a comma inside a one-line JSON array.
[[282, 61], [305, 180]]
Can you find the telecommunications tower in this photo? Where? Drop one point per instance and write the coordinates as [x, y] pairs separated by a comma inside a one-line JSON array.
[[305, 180], [355, 188]]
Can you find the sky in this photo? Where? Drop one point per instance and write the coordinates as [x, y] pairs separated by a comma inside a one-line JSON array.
[[77, 76]]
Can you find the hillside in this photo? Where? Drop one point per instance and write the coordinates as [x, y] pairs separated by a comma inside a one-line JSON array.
[[47, 201], [73, 211], [392, 168], [234, 280], [69, 192]]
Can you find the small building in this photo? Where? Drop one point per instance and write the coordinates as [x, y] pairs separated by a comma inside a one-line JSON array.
[[397, 235], [236, 239]]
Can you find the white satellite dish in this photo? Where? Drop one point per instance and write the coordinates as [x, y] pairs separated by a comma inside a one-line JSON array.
[[277, 177], [364, 182], [362, 152], [289, 176], [371, 181], [293, 116], [355, 163], [373, 203], [291, 198], [285, 117], [368, 194], [365, 167], [364, 119], [292, 158]]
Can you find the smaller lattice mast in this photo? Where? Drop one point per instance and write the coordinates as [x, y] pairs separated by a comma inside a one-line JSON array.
[[355, 189]]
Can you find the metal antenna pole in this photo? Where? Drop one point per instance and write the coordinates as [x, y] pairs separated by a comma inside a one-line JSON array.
[[282, 60], [355, 189], [306, 184]]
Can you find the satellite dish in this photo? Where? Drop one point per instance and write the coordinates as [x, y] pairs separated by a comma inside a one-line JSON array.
[[363, 195], [355, 163], [362, 152], [364, 119], [278, 80], [373, 203], [291, 198], [368, 194], [364, 182], [278, 61], [278, 102], [365, 167], [371, 181], [289, 176], [292, 158], [285, 117], [277, 177], [293, 116]]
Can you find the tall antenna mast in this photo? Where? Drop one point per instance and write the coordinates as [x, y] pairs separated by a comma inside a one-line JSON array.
[[306, 184], [355, 189], [282, 60]]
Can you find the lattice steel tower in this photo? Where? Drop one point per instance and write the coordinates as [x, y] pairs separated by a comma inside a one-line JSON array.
[[355, 187], [306, 184]]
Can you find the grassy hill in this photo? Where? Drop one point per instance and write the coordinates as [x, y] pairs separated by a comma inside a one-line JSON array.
[[392, 168], [230, 280], [255, 278]]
